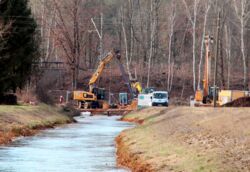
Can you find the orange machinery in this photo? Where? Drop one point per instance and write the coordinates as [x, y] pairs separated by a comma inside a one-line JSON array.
[[202, 95]]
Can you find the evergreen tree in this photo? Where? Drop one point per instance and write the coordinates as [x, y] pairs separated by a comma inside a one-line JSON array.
[[18, 48]]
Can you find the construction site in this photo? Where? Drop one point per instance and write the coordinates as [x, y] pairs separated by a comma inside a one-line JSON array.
[[113, 85]]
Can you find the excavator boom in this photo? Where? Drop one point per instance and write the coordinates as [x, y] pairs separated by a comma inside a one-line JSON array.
[[207, 67], [100, 69], [109, 57]]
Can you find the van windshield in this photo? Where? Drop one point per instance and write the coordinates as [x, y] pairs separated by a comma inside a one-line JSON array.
[[160, 95]]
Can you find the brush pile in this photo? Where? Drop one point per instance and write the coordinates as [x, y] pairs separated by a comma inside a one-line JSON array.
[[241, 102]]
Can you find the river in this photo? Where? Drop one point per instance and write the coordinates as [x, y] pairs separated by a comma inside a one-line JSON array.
[[87, 146]]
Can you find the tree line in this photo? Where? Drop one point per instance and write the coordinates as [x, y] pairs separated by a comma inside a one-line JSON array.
[[162, 41], [155, 36]]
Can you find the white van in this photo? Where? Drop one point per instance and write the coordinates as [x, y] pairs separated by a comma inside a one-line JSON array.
[[144, 100], [160, 98]]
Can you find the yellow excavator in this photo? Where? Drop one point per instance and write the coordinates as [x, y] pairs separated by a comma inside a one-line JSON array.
[[95, 97]]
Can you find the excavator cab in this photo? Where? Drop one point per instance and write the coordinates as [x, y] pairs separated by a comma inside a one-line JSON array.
[[206, 99], [211, 93], [100, 93]]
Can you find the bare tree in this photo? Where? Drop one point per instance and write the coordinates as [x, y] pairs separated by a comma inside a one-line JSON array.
[[228, 42], [152, 37], [242, 13], [172, 19], [70, 38], [128, 60], [193, 19], [207, 7]]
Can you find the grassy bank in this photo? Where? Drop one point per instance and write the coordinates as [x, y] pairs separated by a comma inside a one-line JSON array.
[[25, 120], [186, 139]]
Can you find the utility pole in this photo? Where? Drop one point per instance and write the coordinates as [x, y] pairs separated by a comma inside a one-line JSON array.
[[216, 56]]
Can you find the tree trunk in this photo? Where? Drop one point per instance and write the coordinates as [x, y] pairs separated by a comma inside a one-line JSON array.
[[202, 43], [126, 46], [242, 33], [228, 54], [194, 54]]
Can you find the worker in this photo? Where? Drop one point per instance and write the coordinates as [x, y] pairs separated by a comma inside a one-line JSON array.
[[61, 99]]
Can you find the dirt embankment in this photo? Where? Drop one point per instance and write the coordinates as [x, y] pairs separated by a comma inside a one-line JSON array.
[[25, 120], [186, 139]]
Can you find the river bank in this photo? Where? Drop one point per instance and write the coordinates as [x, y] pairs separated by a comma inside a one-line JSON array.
[[27, 120], [186, 139]]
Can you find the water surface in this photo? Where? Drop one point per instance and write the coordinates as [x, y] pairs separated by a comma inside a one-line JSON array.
[[86, 146]]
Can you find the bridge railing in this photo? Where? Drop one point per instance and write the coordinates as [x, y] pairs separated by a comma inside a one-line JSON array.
[[50, 65]]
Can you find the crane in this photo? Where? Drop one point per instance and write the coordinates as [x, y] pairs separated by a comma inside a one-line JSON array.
[[203, 95], [208, 96]]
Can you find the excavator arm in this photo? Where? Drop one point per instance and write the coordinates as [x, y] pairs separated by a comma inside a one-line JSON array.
[[137, 86], [88, 99], [132, 84], [109, 57], [101, 67]]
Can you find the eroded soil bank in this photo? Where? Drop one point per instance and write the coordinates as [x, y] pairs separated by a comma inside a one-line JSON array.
[[186, 139], [26, 120]]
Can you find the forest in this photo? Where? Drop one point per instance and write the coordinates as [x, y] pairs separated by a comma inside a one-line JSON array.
[[161, 41]]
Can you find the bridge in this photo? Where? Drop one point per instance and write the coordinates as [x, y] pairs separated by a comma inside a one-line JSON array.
[[50, 65], [56, 66], [108, 112]]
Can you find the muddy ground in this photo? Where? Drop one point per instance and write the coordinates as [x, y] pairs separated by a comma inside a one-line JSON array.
[[187, 139], [26, 120]]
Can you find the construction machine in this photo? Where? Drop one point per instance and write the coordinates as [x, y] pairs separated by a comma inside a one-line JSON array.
[[137, 85], [209, 95], [205, 95], [95, 97]]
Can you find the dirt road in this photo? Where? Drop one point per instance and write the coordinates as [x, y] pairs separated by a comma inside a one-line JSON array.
[[187, 139]]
